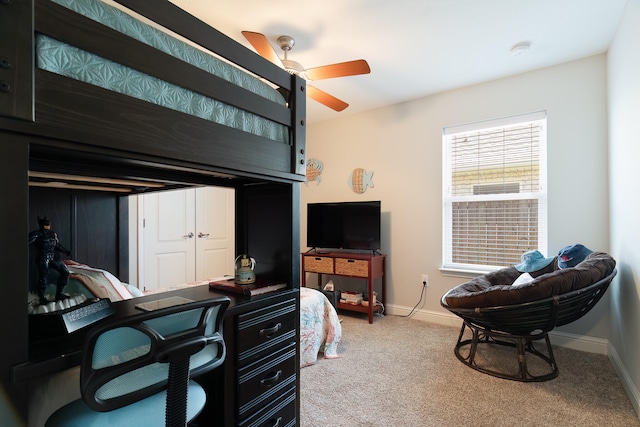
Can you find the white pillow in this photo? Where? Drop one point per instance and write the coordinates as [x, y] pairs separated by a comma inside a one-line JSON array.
[[523, 279]]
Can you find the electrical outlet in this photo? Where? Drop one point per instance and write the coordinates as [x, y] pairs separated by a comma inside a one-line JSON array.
[[425, 280]]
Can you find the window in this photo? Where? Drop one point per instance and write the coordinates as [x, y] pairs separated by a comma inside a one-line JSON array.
[[494, 190]]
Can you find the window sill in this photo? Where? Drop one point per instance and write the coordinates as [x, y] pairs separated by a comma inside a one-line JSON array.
[[456, 272]]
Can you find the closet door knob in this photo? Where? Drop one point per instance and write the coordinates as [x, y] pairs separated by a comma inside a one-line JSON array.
[[188, 236], [201, 234]]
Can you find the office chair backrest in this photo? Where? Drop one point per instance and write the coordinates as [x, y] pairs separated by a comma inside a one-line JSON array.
[[133, 358]]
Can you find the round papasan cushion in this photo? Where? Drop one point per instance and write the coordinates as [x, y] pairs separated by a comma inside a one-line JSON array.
[[496, 289]]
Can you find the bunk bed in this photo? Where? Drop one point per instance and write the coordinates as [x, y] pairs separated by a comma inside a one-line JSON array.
[[87, 114], [193, 108]]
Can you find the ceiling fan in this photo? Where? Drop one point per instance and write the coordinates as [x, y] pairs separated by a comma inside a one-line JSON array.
[[343, 69]]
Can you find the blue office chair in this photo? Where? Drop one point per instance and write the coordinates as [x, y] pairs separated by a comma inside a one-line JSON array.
[[136, 371]]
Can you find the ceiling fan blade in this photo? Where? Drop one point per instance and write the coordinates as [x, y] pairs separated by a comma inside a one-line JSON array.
[[342, 69], [326, 99], [261, 44]]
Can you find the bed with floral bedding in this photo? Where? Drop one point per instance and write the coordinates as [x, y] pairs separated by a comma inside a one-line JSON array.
[[320, 328]]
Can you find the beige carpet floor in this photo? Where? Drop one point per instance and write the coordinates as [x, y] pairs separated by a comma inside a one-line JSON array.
[[403, 372]]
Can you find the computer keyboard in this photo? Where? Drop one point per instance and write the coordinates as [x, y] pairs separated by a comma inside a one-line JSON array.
[[63, 322], [79, 317]]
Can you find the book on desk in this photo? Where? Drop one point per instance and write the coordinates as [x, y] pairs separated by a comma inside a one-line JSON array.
[[260, 286]]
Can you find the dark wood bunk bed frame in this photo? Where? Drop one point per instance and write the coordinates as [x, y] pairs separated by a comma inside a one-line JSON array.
[[53, 124]]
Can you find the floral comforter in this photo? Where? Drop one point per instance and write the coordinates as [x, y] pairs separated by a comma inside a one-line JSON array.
[[320, 329]]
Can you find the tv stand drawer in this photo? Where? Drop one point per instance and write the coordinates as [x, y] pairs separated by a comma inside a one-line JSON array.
[[318, 264], [352, 267]]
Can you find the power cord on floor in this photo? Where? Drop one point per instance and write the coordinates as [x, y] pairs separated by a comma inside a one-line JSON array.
[[381, 312], [424, 288]]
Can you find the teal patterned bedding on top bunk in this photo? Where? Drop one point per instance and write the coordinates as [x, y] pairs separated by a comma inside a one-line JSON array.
[[60, 58]]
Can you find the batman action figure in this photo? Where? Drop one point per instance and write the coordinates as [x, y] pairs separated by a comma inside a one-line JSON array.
[[46, 244]]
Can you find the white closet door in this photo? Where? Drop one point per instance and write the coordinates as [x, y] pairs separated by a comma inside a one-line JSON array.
[[169, 235], [215, 240], [187, 235]]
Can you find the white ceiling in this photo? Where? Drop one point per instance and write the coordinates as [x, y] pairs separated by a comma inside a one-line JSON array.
[[417, 47]]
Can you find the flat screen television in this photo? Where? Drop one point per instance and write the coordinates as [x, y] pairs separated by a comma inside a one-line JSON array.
[[344, 225]]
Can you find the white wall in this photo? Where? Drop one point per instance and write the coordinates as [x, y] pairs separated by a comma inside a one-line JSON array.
[[624, 125], [401, 144]]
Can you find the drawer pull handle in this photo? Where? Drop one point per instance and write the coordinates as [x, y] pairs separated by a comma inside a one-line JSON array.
[[276, 423], [272, 379], [268, 332], [318, 258], [351, 260]]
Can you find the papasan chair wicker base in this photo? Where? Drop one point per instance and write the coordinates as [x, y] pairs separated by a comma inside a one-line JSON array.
[[520, 326], [466, 351]]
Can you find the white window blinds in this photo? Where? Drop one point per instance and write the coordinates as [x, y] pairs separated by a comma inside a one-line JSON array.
[[494, 192]]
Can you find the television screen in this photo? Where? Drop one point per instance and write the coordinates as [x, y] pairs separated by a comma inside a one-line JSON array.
[[344, 225]]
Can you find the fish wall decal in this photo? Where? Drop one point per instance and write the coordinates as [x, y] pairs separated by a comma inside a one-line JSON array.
[[360, 180]]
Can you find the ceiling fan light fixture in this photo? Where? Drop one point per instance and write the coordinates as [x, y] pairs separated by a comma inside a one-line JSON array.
[[520, 48], [294, 67]]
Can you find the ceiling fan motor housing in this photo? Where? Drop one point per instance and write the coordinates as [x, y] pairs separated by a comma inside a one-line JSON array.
[[286, 43]]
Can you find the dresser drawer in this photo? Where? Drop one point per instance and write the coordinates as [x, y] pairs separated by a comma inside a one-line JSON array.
[[265, 379], [318, 264], [352, 267], [261, 330], [280, 412]]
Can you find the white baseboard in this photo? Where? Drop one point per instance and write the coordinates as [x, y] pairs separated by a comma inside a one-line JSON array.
[[562, 339], [627, 382], [425, 315], [579, 342]]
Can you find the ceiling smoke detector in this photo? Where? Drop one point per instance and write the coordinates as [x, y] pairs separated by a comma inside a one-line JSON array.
[[520, 48]]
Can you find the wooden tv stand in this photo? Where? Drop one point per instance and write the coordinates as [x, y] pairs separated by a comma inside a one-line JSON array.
[[364, 266]]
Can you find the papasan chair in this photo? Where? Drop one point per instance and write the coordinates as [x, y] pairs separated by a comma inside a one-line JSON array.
[[499, 313]]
